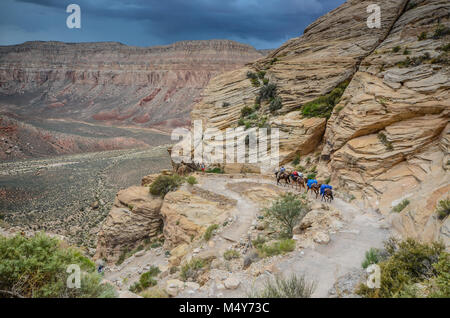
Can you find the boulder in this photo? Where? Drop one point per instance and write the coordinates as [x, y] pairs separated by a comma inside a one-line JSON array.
[[134, 217]]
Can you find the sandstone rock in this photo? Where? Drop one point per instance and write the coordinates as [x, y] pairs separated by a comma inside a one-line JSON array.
[[303, 69], [127, 294], [178, 253], [232, 282], [321, 238], [124, 228], [148, 180], [174, 287], [188, 211]]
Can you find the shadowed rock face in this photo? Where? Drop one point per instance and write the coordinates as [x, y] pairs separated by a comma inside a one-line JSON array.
[[113, 83]]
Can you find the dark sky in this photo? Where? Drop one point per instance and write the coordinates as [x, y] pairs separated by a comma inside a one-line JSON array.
[[261, 23]]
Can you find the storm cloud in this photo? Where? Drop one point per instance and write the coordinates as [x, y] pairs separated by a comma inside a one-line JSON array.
[[261, 23]]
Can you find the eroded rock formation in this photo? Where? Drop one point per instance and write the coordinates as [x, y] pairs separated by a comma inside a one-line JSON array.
[[113, 83]]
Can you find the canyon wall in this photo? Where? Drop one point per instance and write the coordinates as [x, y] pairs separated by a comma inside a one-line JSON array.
[[387, 137], [111, 83]]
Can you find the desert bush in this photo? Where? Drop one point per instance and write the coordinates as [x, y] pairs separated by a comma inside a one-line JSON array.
[[414, 61], [191, 180], [292, 287], [401, 206], [395, 49], [209, 231], [261, 74], [312, 175], [296, 160], [259, 241], [251, 75], [246, 111], [36, 267], [443, 208], [146, 280], [268, 92], [225, 104], [408, 263], [255, 82], [276, 248], [286, 212], [231, 254], [440, 284], [323, 105], [164, 184], [422, 36], [406, 51], [275, 104], [214, 170], [265, 81], [191, 269], [371, 258], [441, 31], [383, 139], [154, 292]]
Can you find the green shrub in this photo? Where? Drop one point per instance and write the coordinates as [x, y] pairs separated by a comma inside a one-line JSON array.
[[296, 160], [259, 241], [225, 104], [443, 208], [327, 180], [154, 292], [268, 92], [191, 269], [382, 137], [286, 212], [191, 180], [252, 75], [414, 61], [275, 104], [401, 206], [146, 280], [444, 48], [231, 254], [371, 258], [164, 184], [411, 5], [245, 111], [396, 49], [408, 263], [292, 287], [265, 81], [323, 105], [241, 122], [422, 36], [276, 248], [255, 82], [441, 31], [261, 74], [312, 175], [274, 60], [406, 51], [440, 284], [36, 267], [214, 170], [209, 231]]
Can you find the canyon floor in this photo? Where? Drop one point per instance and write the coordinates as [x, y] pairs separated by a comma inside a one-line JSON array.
[[70, 195], [351, 231]]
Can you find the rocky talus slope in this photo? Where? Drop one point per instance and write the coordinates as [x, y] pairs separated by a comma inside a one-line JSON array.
[[387, 138], [113, 83]]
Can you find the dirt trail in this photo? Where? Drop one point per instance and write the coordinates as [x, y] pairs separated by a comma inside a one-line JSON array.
[[360, 231]]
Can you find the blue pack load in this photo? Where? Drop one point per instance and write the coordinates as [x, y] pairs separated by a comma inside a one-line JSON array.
[[311, 182], [323, 187]]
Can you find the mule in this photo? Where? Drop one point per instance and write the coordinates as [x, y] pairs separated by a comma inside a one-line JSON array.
[[327, 195]]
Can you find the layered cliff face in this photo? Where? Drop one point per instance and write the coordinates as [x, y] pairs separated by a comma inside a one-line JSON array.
[[387, 138], [113, 83], [303, 69]]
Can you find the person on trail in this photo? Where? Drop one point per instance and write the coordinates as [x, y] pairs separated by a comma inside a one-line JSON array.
[[300, 175], [203, 167], [282, 169]]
